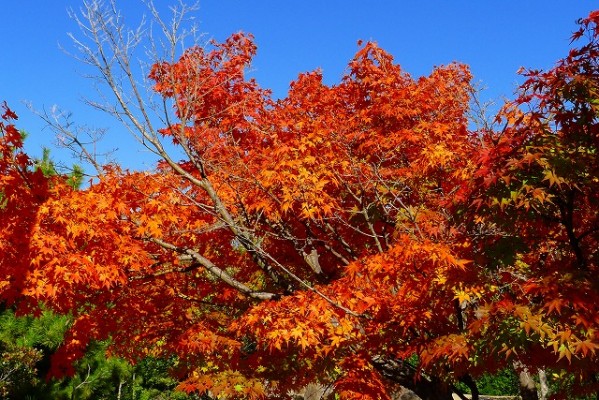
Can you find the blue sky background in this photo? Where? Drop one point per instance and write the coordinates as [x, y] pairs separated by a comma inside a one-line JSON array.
[[495, 38]]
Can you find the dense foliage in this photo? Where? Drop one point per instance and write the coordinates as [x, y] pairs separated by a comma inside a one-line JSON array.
[[359, 236]]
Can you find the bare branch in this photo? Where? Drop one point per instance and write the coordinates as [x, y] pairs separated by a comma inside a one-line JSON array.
[[216, 271], [81, 141]]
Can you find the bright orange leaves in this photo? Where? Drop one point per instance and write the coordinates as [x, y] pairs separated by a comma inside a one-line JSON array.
[[329, 236], [21, 193]]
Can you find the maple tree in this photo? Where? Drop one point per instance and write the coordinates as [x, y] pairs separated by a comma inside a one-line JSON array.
[[22, 191], [359, 235], [536, 223]]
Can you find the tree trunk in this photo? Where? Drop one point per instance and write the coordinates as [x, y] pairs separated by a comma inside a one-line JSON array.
[[427, 388], [544, 391], [471, 383], [432, 389], [528, 389]]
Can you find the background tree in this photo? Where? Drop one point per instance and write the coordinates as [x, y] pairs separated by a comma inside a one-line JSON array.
[[537, 226]]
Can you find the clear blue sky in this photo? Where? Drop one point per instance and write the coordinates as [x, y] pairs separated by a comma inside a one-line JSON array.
[[494, 37]]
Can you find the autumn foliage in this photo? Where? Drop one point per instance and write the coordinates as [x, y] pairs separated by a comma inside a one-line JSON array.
[[360, 235]]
